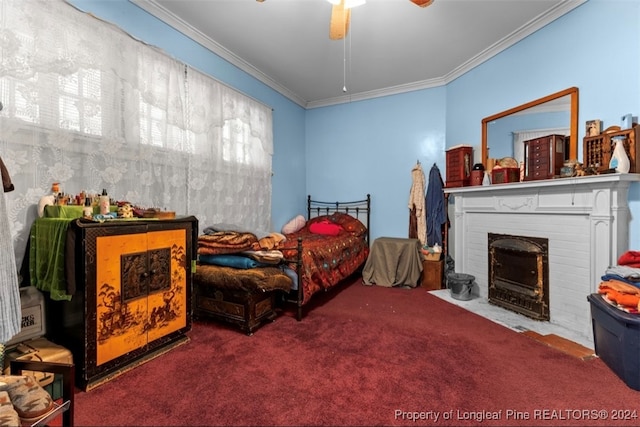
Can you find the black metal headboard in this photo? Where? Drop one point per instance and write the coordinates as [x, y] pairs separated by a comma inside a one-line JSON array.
[[359, 209]]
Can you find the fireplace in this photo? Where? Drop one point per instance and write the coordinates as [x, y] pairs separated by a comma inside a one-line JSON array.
[[586, 222], [519, 274]]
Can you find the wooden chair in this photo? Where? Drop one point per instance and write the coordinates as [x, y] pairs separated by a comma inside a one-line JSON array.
[[68, 383]]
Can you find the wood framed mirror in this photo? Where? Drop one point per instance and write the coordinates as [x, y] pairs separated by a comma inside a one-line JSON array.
[[564, 100]]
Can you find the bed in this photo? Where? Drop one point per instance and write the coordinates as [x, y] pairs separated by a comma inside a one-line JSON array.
[[326, 260], [330, 245]]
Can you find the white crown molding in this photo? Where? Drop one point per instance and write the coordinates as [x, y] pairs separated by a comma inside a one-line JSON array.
[[534, 25], [393, 90], [170, 19]]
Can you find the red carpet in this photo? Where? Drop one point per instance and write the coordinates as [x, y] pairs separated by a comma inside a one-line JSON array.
[[363, 356]]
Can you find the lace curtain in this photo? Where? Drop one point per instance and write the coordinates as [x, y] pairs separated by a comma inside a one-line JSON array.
[[89, 107]]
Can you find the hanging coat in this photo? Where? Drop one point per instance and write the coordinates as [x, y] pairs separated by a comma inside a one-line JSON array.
[[435, 207], [416, 205]]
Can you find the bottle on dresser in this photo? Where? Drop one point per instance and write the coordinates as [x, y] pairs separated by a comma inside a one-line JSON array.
[[104, 202]]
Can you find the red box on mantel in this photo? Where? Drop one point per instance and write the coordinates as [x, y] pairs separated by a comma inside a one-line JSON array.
[[459, 160], [504, 175]]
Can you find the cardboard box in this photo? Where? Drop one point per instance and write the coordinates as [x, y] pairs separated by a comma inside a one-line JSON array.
[[33, 320]]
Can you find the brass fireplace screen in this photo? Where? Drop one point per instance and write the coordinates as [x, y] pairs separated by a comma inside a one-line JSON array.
[[519, 274]]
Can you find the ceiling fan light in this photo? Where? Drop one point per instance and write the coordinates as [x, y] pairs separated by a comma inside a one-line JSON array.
[[422, 3], [348, 4]]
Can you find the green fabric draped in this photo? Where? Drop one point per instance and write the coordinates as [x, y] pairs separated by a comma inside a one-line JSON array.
[[47, 256], [71, 211]]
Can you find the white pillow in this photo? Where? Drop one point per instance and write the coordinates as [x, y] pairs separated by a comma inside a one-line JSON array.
[[294, 225]]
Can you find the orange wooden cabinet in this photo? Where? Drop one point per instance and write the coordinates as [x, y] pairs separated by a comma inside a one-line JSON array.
[[134, 294]]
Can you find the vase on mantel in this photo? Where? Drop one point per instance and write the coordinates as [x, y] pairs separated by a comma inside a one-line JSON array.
[[619, 159], [486, 180]]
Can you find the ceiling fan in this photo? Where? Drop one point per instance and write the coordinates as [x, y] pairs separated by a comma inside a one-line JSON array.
[[341, 14]]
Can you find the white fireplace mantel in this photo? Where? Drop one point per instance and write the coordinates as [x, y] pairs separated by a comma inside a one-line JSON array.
[[585, 219]]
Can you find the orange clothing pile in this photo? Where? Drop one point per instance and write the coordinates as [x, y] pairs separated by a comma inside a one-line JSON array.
[[625, 295]]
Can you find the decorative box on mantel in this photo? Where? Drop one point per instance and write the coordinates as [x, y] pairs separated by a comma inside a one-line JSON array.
[[459, 160], [505, 175], [585, 219], [544, 157], [597, 150]]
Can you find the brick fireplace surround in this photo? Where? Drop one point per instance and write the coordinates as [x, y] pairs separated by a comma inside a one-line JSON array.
[[586, 220]]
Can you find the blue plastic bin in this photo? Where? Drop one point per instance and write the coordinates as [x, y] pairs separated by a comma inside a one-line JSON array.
[[616, 337]]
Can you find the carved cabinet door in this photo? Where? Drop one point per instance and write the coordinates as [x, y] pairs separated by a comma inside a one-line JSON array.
[[141, 290]]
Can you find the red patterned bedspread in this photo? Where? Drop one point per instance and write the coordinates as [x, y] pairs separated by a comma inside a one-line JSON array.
[[326, 260]]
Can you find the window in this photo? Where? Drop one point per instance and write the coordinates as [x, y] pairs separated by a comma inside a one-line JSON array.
[[90, 107], [80, 101]]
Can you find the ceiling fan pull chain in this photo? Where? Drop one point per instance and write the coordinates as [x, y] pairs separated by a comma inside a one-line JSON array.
[[344, 64]]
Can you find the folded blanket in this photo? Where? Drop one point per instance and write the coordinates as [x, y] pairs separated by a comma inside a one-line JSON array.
[[232, 227], [633, 282], [234, 261], [620, 286], [268, 257], [225, 242], [269, 242], [263, 279]]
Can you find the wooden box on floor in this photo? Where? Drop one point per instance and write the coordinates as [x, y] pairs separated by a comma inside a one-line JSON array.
[[246, 309], [432, 274]]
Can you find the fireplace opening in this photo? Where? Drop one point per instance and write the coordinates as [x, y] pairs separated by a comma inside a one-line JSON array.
[[519, 274]]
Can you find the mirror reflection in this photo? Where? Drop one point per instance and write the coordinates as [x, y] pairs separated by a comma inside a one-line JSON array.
[[503, 133]]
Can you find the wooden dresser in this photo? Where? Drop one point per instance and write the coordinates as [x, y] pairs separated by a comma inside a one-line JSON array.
[[133, 297], [544, 157]]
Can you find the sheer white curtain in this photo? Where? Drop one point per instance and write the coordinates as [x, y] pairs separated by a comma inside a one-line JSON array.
[[89, 107]]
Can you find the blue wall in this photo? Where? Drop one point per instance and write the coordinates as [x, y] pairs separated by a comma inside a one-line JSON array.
[[595, 48], [343, 152], [371, 147]]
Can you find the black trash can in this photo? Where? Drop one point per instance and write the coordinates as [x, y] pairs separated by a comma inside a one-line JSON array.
[[460, 285]]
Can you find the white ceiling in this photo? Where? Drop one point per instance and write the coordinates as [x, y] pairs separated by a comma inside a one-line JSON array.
[[393, 46]]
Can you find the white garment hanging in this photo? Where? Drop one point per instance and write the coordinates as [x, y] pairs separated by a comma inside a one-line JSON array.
[[10, 309], [417, 200]]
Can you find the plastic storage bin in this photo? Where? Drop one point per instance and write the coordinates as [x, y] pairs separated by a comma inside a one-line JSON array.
[[616, 336]]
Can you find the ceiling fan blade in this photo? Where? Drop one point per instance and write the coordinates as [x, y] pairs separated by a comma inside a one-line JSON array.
[[339, 24], [422, 3]]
